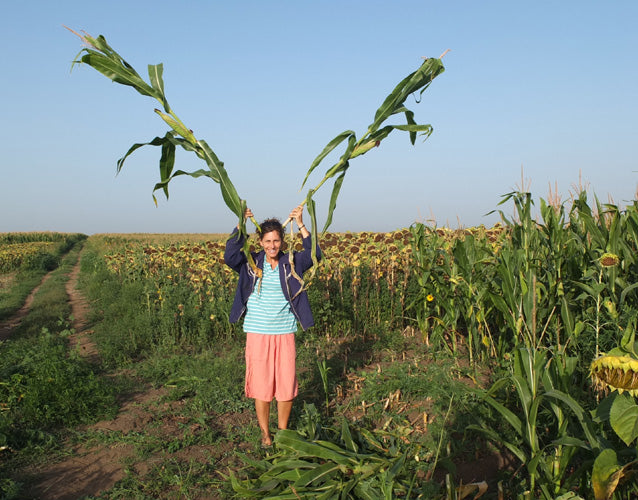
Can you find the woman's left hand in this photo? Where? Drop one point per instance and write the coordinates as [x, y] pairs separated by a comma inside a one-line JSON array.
[[297, 215]]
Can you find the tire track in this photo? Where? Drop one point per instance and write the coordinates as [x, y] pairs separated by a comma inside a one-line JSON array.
[[9, 325], [80, 339]]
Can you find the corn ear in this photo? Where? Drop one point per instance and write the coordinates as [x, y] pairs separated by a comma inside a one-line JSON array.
[[177, 126], [364, 148]]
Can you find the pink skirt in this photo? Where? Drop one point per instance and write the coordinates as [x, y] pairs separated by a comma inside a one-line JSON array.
[[271, 367]]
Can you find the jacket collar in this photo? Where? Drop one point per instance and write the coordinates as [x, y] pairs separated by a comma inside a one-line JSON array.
[[261, 258]]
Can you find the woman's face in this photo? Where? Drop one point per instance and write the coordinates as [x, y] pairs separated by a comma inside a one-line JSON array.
[[271, 243]]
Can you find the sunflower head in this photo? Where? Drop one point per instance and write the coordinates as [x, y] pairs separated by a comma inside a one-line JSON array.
[[609, 260], [616, 373]]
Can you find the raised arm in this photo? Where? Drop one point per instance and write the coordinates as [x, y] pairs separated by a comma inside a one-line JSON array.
[[233, 255]]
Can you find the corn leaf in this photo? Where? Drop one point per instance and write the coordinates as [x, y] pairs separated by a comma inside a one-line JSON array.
[[291, 440], [318, 475], [167, 162], [498, 438], [101, 57], [326, 151], [155, 72], [346, 437], [581, 414], [418, 80], [393, 104], [290, 464], [229, 193], [509, 416], [366, 490], [333, 199], [157, 141]]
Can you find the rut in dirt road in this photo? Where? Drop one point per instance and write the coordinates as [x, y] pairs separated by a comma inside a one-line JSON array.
[[7, 326], [81, 338]]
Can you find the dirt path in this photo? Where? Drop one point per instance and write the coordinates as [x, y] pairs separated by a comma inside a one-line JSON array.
[[91, 469], [8, 325], [81, 338], [87, 470]]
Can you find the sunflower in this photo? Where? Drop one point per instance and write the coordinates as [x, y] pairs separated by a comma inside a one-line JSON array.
[[616, 372], [609, 260]]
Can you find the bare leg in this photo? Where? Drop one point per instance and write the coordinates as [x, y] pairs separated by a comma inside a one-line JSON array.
[[263, 417], [283, 413]]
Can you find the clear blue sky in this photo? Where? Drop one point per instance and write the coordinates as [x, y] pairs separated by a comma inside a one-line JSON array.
[[547, 87]]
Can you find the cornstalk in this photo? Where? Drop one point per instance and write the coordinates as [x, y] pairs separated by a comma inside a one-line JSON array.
[[99, 55]]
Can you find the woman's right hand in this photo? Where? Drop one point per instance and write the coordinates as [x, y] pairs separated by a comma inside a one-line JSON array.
[[248, 213]]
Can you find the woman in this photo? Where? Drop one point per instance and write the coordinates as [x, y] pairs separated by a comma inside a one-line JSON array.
[[272, 306]]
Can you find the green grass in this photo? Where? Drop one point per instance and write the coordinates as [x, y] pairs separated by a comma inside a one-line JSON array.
[[22, 281], [211, 381], [20, 286]]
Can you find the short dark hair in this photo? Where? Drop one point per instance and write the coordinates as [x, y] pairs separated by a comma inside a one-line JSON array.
[[270, 225]]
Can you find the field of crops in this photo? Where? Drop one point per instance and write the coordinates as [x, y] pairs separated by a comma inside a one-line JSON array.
[[32, 250], [430, 347]]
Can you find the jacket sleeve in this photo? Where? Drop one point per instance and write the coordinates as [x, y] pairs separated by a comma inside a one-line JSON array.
[[233, 256]]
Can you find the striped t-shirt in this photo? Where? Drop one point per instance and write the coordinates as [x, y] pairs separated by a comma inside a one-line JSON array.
[[268, 311]]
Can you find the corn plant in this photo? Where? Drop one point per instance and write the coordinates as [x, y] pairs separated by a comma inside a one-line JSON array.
[[474, 265], [348, 465], [100, 56], [394, 103], [561, 250], [542, 426], [344, 461]]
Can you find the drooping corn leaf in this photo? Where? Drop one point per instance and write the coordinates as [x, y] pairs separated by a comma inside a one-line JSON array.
[[101, 57], [336, 188], [326, 151], [418, 81], [155, 72]]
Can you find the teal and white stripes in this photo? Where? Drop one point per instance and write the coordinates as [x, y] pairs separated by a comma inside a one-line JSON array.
[[268, 311]]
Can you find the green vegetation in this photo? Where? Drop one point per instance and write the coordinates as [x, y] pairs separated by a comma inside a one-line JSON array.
[[44, 388], [433, 349], [24, 260]]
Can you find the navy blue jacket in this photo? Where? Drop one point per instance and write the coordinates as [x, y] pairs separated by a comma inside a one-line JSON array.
[[236, 260]]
